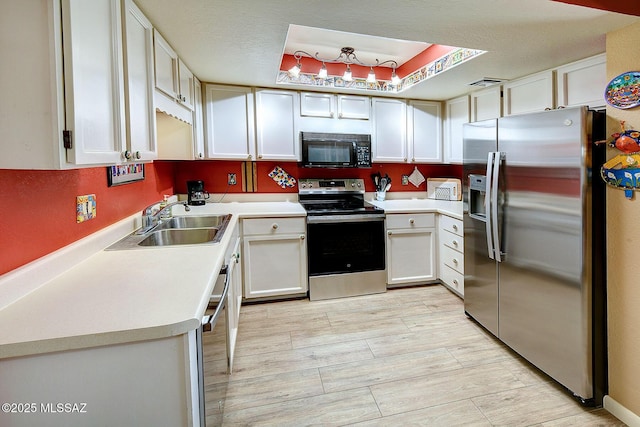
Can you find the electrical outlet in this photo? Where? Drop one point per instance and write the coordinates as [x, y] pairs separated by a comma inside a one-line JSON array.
[[231, 180], [405, 179], [85, 207]]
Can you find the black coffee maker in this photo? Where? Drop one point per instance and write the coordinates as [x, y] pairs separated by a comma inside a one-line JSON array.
[[196, 194]]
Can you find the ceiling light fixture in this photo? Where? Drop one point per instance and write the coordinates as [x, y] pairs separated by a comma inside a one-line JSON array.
[[347, 56]]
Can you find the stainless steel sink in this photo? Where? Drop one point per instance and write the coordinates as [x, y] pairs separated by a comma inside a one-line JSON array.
[[177, 236], [192, 222], [179, 230]]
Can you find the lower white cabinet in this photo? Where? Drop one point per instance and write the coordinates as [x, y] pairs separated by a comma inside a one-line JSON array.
[[275, 257], [451, 253], [411, 248]]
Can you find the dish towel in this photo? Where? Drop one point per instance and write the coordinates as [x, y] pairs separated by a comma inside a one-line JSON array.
[[282, 178], [416, 178]]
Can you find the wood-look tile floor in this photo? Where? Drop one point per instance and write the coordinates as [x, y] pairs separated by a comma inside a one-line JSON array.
[[406, 357]]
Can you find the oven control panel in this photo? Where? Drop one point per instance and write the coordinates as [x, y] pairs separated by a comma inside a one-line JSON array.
[[309, 185]]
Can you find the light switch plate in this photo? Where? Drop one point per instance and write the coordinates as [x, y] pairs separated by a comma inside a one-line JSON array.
[[85, 207]]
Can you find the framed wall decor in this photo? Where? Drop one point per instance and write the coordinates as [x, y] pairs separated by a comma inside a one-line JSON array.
[[125, 174]]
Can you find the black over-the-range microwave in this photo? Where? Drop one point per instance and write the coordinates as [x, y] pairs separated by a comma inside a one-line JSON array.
[[335, 150]]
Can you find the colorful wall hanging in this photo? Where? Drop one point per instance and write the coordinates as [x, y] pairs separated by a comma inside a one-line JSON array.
[[624, 90], [623, 170], [282, 178], [125, 174]]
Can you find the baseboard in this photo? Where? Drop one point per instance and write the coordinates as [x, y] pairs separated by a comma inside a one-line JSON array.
[[620, 412]]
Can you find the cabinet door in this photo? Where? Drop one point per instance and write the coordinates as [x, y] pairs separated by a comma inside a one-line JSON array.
[[198, 121], [582, 82], [139, 81], [229, 122], [530, 94], [166, 66], [354, 107], [274, 265], [486, 104], [389, 136], [234, 300], [457, 114], [186, 92], [314, 104], [424, 128], [411, 256], [276, 130], [94, 80]]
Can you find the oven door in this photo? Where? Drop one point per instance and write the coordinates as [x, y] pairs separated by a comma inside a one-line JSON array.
[[340, 244]]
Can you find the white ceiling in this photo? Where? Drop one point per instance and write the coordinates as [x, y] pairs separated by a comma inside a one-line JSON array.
[[242, 41]]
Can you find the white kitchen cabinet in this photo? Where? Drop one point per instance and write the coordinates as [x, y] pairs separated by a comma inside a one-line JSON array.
[[275, 257], [582, 82], [456, 114], [411, 248], [313, 104], [451, 253], [389, 130], [139, 83], [58, 87], [529, 94], [486, 103], [276, 125], [424, 130], [198, 121], [174, 94], [229, 122]]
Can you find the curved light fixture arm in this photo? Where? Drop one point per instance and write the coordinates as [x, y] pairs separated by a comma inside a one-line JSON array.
[[347, 56]]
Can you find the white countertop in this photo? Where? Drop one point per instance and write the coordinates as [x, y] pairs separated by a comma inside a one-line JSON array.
[[123, 296], [453, 209]]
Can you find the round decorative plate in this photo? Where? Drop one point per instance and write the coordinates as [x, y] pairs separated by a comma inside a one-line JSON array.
[[624, 90]]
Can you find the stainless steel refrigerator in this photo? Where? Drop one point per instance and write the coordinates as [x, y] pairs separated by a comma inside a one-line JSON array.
[[534, 256]]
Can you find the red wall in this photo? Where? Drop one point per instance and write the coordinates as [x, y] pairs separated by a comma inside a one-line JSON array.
[[214, 174], [39, 207]]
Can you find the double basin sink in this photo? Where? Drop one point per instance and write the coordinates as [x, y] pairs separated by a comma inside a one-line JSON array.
[[178, 230]]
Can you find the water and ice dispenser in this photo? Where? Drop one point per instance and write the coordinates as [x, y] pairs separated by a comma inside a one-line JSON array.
[[477, 195]]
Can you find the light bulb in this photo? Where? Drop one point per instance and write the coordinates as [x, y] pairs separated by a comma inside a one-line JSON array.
[[295, 70], [347, 75], [323, 72], [395, 80], [371, 78]]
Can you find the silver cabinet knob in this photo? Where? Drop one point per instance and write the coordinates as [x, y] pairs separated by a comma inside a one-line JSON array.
[[455, 243], [455, 261], [389, 233], [138, 155], [455, 227], [274, 226], [455, 282], [412, 221], [302, 237]]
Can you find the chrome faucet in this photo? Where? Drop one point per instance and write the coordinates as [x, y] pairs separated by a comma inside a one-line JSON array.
[[150, 218]]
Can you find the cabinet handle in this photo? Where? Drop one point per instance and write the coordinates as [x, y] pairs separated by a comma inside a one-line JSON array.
[[455, 261], [413, 159], [302, 237], [405, 160], [455, 227], [412, 221], [274, 226], [455, 282], [455, 243], [331, 114], [389, 233], [259, 156], [200, 155], [138, 155], [127, 155], [249, 157]]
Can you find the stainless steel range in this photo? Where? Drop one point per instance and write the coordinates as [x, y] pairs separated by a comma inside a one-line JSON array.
[[346, 241]]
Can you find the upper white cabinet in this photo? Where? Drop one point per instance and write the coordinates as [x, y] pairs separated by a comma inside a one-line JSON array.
[[389, 131], [229, 122], [139, 81], [456, 114], [424, 131], [328, 105], [582, 82], [276, 130], [72, 79], [529, 94], [486, 103], [174, 81]]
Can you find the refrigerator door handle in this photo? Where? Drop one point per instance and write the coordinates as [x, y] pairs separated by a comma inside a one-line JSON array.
[[498, 156], [488, 205]]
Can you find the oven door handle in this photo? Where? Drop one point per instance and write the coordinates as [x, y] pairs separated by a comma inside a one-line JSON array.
[[327, 219], [208, 321]]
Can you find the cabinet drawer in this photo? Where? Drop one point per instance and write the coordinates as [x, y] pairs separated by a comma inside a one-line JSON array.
[[454, 241], [273, 226], [424, 220], [451, 224], [453, 279], [452, 258]]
